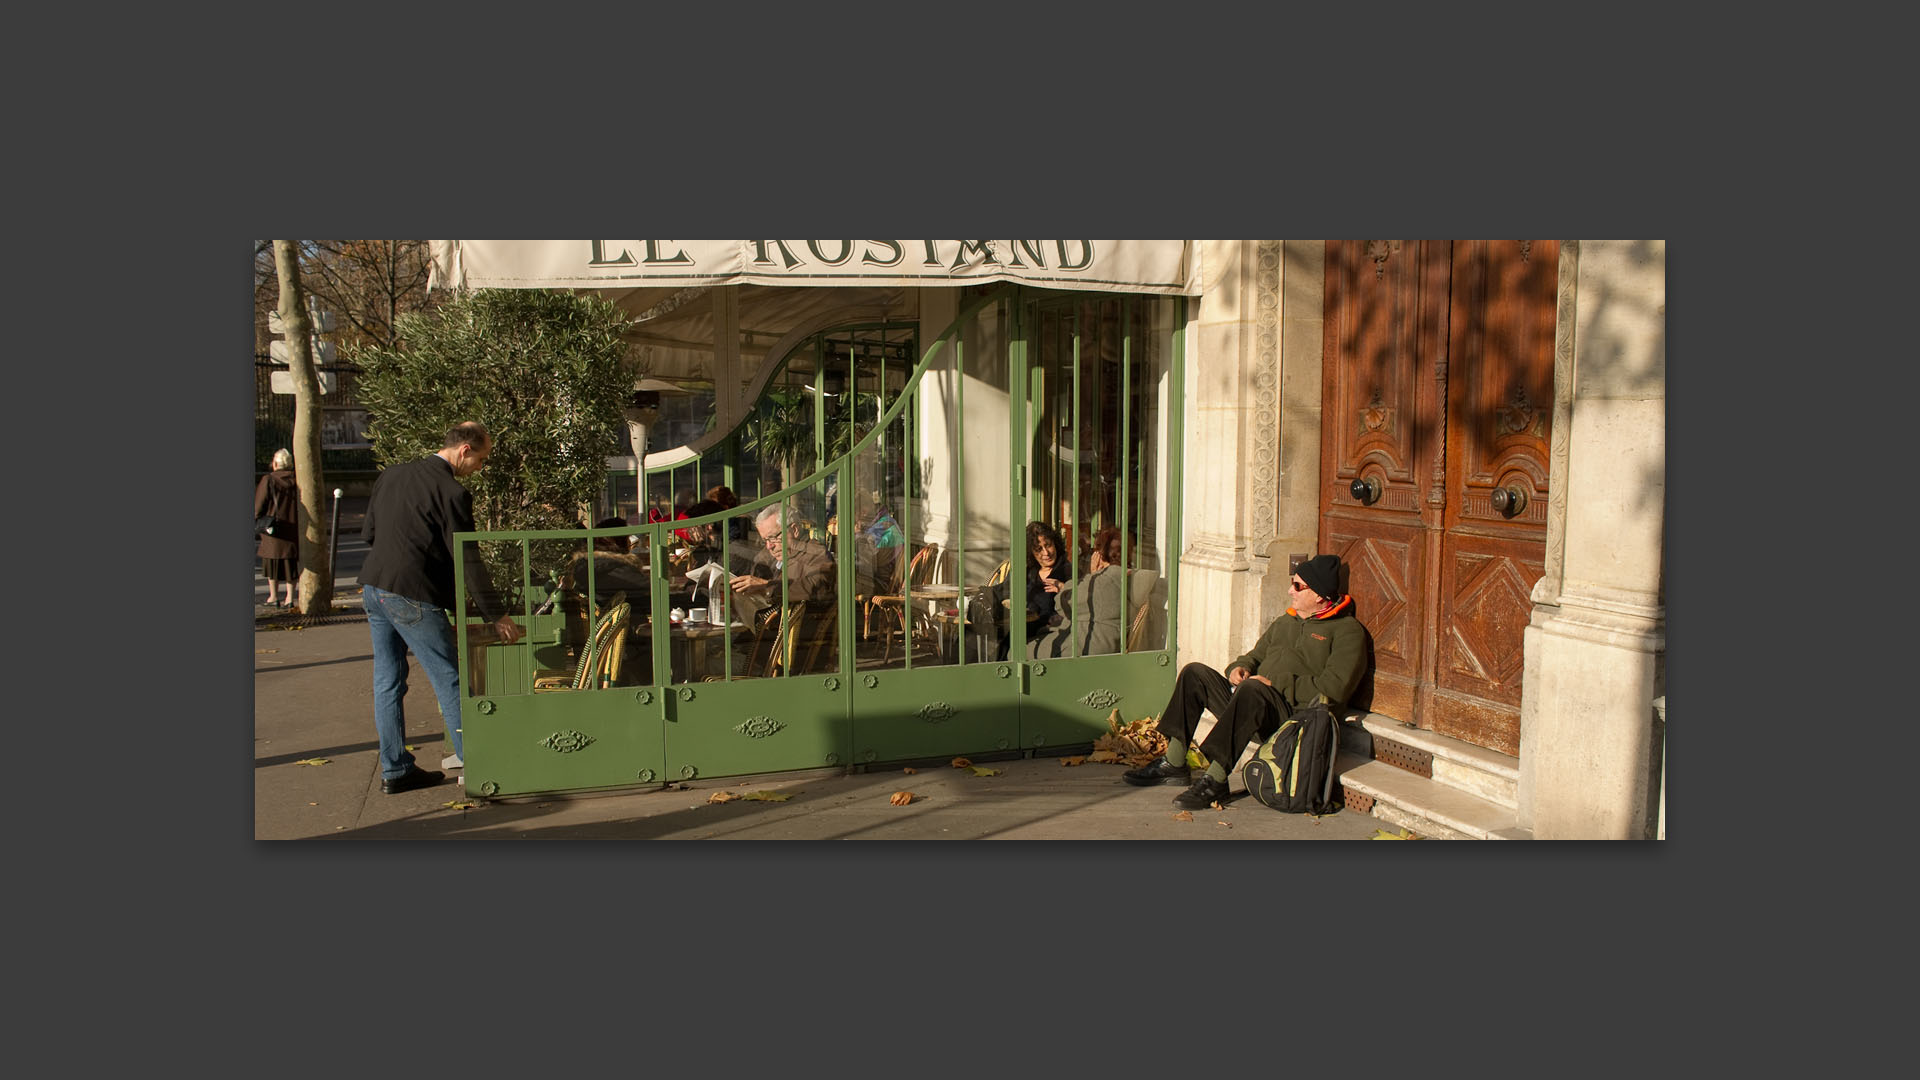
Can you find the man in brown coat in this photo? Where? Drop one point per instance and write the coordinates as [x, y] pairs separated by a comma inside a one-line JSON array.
[[805, 565]]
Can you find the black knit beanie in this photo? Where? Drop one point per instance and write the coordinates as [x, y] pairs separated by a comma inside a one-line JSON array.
[[1322, 575]]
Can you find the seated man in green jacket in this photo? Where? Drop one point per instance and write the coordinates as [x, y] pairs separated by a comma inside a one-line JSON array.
[[1315, 652]]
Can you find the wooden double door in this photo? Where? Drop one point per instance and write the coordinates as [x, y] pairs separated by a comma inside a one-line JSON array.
[[1436, 420]]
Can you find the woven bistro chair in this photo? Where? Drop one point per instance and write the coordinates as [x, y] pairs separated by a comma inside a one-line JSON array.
[[1143, 582], [803, 633], [1138, 629], [893, 581], [601, 658], [892, 607]]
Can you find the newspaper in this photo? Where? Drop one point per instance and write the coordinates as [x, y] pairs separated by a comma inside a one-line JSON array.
[[713, 581]]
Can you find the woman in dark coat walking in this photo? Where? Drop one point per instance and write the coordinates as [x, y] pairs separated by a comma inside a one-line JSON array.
[[279, 495]]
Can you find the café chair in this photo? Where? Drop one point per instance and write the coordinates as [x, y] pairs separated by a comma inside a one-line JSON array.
[[892, 606], [1141, 584], [971, 617], [808, 629], [601, 660]]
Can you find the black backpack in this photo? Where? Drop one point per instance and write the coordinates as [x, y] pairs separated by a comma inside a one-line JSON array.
[[1292, 772]]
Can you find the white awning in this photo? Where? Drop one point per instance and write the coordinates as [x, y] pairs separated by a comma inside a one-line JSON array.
[[1166, 267]]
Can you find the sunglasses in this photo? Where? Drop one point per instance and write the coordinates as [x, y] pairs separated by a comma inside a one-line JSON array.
[[1301, 585]]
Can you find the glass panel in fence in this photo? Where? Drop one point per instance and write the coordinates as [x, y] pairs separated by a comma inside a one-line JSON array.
[[1098, 379]]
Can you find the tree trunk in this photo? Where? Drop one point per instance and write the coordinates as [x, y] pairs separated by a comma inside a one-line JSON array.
[[316, 563]]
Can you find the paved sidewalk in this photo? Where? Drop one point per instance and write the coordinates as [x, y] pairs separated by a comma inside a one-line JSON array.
[[313, 699]]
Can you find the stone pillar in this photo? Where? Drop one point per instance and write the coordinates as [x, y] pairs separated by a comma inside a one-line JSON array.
[[1296, 530], [1589, 743], [1253, 439], [728, 382]]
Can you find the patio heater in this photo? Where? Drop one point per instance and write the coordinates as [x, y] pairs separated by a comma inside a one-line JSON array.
[[642, 411]]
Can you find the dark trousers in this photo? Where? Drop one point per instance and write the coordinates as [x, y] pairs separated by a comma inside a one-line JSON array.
[[1249, 713]]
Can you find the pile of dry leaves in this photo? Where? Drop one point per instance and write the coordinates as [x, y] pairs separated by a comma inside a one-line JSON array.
[[1135, 743]]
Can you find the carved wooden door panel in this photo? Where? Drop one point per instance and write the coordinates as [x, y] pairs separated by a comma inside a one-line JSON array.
[[1438, 384], [1386, 317]]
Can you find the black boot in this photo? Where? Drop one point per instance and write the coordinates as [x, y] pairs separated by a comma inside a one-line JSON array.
[[1204, 793], [1159, 772]]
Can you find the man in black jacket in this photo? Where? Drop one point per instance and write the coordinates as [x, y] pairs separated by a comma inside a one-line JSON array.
[[406, 585], [1315, 652]]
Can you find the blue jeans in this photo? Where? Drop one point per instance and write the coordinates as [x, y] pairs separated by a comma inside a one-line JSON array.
[[399, 624]]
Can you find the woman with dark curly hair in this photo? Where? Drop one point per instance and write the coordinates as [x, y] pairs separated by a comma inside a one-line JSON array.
[[1047, 572]]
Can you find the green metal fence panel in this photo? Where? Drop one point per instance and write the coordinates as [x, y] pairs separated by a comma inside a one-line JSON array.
[[897, 662]]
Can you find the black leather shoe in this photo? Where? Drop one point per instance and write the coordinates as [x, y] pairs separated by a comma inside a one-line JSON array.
[[414, 777], [1159, 772], [1204, 793]]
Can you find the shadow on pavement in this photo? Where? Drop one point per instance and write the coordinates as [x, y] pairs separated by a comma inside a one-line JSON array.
[[317, 663]]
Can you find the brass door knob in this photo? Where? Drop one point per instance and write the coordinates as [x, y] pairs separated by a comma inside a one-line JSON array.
[[1509, 500]]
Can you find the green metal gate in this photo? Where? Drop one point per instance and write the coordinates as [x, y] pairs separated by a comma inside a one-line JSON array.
[[1032, 405]]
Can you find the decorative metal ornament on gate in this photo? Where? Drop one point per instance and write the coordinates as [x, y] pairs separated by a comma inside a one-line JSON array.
[[758, 727]]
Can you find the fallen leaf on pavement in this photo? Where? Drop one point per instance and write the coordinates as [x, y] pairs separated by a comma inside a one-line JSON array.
[[909, 770], [722, 796], [459, 805], [312, 761], [768, 796], [1216, 805], [1077, 759], [961, 763], [982, 770], [313, 804], [1382, 834], [257, 652], [1228, 824], [411, 749], [1103, 756], [1184, 815], [901, 798]]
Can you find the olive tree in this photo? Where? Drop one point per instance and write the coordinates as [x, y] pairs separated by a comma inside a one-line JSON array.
[[547, 372]]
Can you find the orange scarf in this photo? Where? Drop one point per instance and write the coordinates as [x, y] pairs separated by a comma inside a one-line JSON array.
[[1327, 614]]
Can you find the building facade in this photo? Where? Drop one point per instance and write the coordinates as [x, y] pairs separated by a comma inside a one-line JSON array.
[[1476, 427]]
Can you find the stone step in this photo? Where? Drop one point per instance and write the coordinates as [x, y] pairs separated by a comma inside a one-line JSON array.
[[1454, 763], [1471, 794], [1425, 807]]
